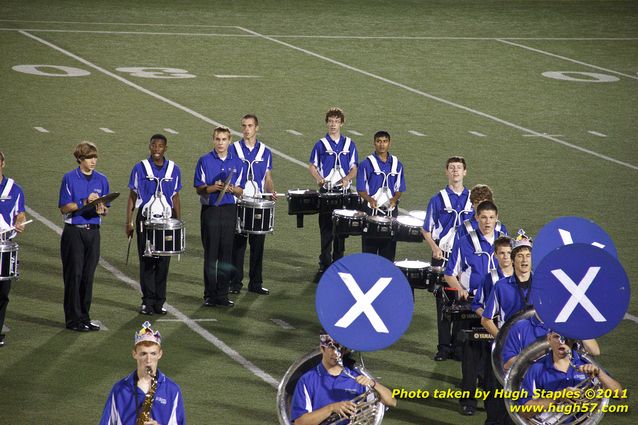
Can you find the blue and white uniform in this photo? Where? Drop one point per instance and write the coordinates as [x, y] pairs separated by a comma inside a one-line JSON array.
[[334, 159], [257, 161], [542, 375], [484, 289], [143, 182], [522, 334], [471, 259], [317, 388], [445, 213], [374, 175], [211, 168], [76, 187], [11, 204], [506, 298], [126, 398]]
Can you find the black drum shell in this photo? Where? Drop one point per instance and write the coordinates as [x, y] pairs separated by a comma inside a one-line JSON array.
[[9, 260], [416, 276], [303, 202], [256, 216], [404, 232], [348, 225], [167, 237], [380, 227]]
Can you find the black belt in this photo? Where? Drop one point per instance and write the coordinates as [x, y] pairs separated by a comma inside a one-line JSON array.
[[84, 226]]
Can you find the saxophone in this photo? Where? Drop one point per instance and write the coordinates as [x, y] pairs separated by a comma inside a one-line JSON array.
[[145, 412]]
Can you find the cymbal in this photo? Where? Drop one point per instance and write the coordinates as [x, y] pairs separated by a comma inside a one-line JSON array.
[[102, 199], [223, 191]]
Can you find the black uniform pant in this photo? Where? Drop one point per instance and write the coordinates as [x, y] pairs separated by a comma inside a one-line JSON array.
[[257, 243], [447, 330], [80, 252], [218, 229], [5, 287], [153, 270], [494, 407], [328, 241], [471, 364]]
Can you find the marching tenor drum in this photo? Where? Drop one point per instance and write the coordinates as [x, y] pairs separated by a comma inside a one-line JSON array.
[[164, 237], [378, 226], [256, 216], [302, 201], [348, 222], [408, 229], [353, 201], [436, 278], [330, 199], [8, 260], [420, 214], [417, 272]]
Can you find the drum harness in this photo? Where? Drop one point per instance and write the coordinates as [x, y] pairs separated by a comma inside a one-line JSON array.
[[446, 242], [164, 210], [4, 196], [336, 174], [383, 194], [251, 175]]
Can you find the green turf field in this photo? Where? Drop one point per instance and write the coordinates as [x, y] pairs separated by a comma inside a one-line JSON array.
[[443, 77]]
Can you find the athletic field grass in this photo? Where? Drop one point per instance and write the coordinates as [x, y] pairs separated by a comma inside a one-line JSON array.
[[541, 97]]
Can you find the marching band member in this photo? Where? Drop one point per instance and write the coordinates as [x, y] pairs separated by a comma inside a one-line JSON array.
[[154, 186], [257, 159], [380, 182], [445, 212], [12, 214], [328, 388], [153, 396], [471, 259], [333, 162], [511, 294], [558, 370], [219, 181], [478, 194], [80, 243]]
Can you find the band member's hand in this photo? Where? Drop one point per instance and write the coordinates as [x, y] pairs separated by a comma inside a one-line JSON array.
[[20, 226], [231, 189], [437, 253], [321, 182], [393, 204], [218, 186], [589, 369], [365, 381], [463, 294], [152, 422], [100, 208], [373, 203], [343, 408], [92, 197], [273, 197], [345, 182], [130, 227]]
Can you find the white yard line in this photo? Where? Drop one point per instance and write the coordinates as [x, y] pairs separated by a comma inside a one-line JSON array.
[[107, 130], [294, 132], [236, 76], [41, 129], [596, 133], [151, 93], [170, 130], [522, 46], [416, 133], [355, 133], [282, 323], [444, 101], [476, 133], [197, 34], [631, 317], [195, 327], [544, 134]]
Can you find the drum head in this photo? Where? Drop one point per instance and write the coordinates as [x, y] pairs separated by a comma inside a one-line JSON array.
[[349, 213], [381, 219], [299, 192], [412, 264], [417, 214], [170, 223], [409, 221], [256, 203]]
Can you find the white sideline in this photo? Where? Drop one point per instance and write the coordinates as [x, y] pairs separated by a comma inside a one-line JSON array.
[[221, 345], [522, 46], [441, 100]]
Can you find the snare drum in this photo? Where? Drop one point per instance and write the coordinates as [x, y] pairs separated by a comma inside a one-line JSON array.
[[164, 237], [408, 229], [420, 214], [435, 278], [378, 226], [303, 201], [330, 200], [8, 260], [416, 272], [348, 222], [256, 216]]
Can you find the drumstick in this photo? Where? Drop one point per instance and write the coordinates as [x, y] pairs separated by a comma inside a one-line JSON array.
[[10, 229], [128, 250]]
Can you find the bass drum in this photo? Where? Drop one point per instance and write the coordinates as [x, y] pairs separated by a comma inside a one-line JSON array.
[[289, 381]]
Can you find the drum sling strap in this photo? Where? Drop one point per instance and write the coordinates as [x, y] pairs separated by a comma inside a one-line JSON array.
[[384, 194], [337, 173], [164, 208], [250, 174], [447, 241], [5, 196]]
